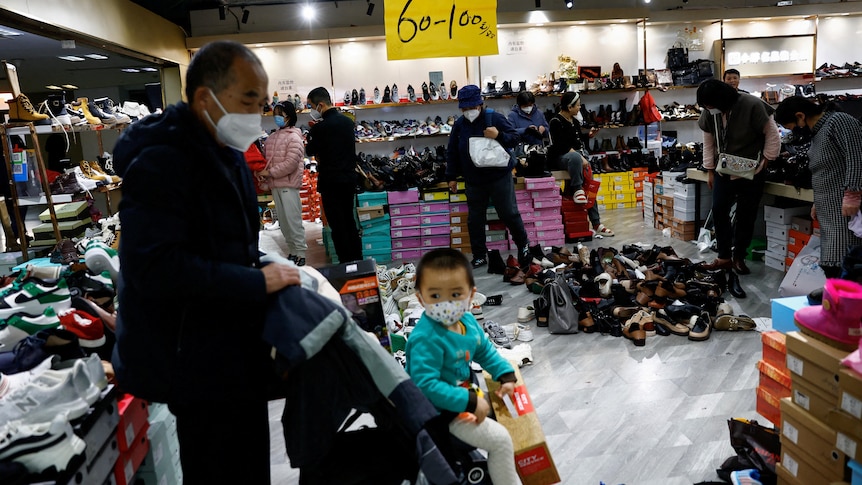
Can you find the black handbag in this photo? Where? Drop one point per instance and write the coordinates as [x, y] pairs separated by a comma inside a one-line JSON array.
[[677, 57], [756, 447], [562, 314]]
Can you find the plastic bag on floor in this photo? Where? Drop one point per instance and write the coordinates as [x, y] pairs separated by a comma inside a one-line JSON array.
[[805, 274]]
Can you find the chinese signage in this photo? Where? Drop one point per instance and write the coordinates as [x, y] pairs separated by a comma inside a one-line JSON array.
[[770, 56], [418, 29]]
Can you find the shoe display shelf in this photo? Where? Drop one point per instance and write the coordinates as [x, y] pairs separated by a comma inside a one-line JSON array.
[[46, 198]]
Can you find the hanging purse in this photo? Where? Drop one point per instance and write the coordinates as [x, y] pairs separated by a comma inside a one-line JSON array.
[[734, 165]]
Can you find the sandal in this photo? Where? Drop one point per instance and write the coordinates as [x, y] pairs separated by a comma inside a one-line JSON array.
[[604, 231], [580, 197], [733, 323]]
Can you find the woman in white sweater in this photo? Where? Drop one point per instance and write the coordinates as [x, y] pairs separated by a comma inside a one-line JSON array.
[[283, 175]]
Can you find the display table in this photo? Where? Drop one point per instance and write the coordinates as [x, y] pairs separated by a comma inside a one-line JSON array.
[[773, 188]]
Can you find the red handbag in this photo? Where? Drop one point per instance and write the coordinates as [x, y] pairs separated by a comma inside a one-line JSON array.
[[649, 109]]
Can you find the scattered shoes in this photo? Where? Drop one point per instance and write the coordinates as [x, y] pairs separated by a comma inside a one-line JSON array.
[[497, 334], [527, 313]]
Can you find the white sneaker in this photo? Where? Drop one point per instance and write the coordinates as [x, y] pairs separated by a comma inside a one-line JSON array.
[[527, 313], [393, 322], [11, 382], [521, 354], [20, 326], [92, 368], [52, 393], [544, 263], [40, 446], [100, 257], [519, 331]]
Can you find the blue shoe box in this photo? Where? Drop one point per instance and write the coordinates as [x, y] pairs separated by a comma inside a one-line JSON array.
[[376, 227], [370, 199], [783, 310], [376, 243]]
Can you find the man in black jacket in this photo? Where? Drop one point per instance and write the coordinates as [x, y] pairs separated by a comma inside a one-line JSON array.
[[332, 142], [192, 290]]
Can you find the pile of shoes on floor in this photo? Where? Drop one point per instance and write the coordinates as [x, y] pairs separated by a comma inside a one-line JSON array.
[[402, 311], [56, 329], [635, 292]]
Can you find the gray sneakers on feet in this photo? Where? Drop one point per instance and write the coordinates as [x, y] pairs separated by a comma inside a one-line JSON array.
[[497, 334]]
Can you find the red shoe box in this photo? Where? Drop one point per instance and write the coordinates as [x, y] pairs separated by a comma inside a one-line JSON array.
[[579, 236], [774, 379], [130, 460], [775, 348], [768, 406], [133, 418], [577, 227]]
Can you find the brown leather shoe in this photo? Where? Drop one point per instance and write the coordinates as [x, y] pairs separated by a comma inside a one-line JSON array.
[[518, 278], [740, 267], [587, 324], [717, 264]]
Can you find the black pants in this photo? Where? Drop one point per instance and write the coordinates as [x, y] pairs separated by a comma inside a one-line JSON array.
[[502, 193], [228, 443], [733, 239], [338, 205]]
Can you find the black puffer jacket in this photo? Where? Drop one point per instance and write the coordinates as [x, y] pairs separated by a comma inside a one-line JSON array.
[[191, 297]]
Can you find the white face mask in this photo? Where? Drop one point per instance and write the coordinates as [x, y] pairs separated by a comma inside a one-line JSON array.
[[580, 117], [448, 313], [527, 110], [236, 130], [315, 115], [472, 114], [714, 111]]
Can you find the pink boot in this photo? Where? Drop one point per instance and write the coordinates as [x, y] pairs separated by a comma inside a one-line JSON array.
[[838, 322]]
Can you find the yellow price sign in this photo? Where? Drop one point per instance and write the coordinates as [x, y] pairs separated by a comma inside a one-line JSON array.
[[418, 29]]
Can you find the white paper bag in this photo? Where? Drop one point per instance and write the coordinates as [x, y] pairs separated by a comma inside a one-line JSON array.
[[805, 274]]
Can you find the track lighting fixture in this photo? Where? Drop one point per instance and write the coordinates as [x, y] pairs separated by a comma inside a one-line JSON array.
[[569, 4], [245, 14], [538, 3], [222, 12], [370, 9]]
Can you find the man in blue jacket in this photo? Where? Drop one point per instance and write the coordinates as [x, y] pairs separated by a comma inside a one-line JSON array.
[[485, 184], [192, 290], [529, 122]]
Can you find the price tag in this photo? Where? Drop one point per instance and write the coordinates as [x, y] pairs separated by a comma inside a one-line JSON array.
[[419, 29], [790, 431], [851, 405], [795, 365], [846, 444]]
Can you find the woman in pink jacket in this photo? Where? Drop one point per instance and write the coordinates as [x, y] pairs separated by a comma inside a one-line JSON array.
[[283, 175]]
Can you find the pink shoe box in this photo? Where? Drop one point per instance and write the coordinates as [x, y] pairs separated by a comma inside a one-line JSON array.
[[552, 242], [406, 255], [406, 221], [407, 243], [409, 196], [522, 195], [531, 233], [546, 214], [458, 218], [458, 208], [435, 219], [435, 241], [403, 210], [525, 206], [528, 217], [545, 223], [549, 203], [498, 245], [540, 183], [436, 231], [398, 233], [547, 233], [546, 193], [434, 207]]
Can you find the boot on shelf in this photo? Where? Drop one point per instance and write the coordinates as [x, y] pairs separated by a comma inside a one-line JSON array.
[[622, 111], [21, 109], [607, 145], [621, 144], [596, 148]]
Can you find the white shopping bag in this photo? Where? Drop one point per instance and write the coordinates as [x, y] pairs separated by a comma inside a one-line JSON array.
[[805, 274]]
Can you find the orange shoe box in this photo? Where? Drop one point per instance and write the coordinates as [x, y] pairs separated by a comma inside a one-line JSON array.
[[774, 379], [768, 406], [133, 418], [775, 348], [130, 460]]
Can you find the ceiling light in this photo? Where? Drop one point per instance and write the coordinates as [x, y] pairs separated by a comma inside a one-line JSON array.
[[308, 12], [647, 1], [130, 69], [370, 9], [245, 14], [305, 42], [71, 58], [569, 4], [69, 86], [538, 17], [352, 39], [149, 69], [258, 45], [98, 57], [53, 87]]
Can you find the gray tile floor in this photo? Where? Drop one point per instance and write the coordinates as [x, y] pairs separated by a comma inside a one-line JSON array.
[[613, 412]]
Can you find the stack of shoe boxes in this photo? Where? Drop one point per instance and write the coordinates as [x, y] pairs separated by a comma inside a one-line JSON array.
[[98, 430], [162, 463], [374, 222], [800, 232], [649, 201], [778, 227], [639, 175], [547, 228], [309, 197], [405, 232], [459, 236], [689, 206], [774, 376], [818, 434], [496, 235], [663, 202], [132, 438], [434, 223], [72, 220], [617, 191]]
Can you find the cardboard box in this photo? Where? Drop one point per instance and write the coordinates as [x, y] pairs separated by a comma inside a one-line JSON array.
[[357, 284], [817, 439], [783, 213], [532, 455], [801, 224], [814, 361], [774, 348], [801, 466], [768, 405], [813, 400], [129, 461], [850, 396], [133, 418], [404, 210], [774, 379], [796, 238], [783, 310]]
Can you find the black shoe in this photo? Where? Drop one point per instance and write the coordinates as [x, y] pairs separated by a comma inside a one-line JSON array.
[[701, 329], [479, 261], [816, 297], [411, 94], [426, 94], [354, 97], [536, 252], [496, 265], [733, 285], [387, 95], [524, 257]]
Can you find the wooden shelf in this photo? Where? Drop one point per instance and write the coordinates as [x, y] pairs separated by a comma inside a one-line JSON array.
[[774, 188], [22, 129]]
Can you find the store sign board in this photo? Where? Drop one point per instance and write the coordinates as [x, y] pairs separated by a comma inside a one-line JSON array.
[[419, 29], [770, 56]]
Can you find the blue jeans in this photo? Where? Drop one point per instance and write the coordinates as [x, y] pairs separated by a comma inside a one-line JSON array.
[[574, 161], [502, 193]]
